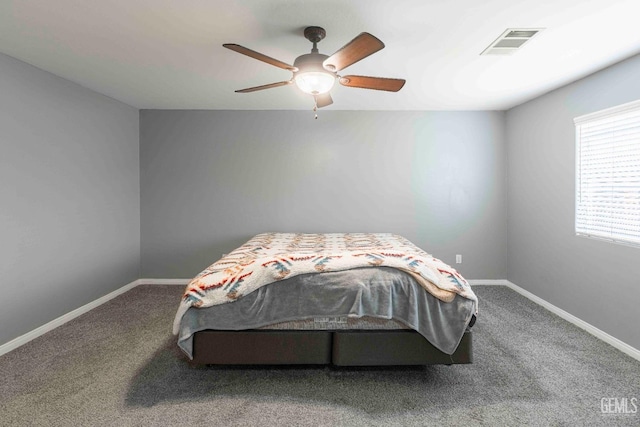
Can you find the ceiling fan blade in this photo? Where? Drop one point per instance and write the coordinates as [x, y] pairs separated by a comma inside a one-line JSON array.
[[269, 86], [359, 48], [377, 83], [260, 57], [323, 100]]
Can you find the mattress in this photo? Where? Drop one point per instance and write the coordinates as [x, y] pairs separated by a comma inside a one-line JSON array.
[[337, 323]]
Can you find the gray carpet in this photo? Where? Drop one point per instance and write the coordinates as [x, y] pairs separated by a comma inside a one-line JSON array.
[[119, 365]]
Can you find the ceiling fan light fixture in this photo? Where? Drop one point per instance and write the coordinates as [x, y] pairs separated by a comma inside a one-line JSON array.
[[315, 82]]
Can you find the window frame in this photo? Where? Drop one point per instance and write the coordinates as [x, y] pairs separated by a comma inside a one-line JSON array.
[[579, 222]]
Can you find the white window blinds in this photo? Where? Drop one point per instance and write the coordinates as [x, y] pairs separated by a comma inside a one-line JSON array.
[[608, 174]]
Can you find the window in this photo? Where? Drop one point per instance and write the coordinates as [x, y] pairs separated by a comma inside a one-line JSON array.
[[608, 174]]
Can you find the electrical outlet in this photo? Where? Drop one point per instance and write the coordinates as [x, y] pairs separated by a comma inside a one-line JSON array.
[[458, 259]]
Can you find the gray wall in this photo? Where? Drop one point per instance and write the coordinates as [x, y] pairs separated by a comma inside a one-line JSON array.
[[69, 197], [596, 281], [212, 179]]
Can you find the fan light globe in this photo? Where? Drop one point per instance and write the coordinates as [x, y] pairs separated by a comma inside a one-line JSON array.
[[315, 82]]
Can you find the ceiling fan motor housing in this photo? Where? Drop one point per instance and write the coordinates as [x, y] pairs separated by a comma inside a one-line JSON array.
[[310, 62]]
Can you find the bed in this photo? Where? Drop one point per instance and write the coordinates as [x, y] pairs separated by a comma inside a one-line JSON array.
[[346, 299]]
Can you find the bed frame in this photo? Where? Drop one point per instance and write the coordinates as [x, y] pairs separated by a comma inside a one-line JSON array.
[[340, 348]]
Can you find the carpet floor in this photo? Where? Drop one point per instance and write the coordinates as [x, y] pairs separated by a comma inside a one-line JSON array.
[[119, 365]]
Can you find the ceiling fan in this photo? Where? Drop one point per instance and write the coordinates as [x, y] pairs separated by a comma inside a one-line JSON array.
[[315, 73]]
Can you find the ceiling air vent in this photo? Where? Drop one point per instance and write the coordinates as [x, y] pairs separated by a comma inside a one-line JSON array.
[[510, 41]]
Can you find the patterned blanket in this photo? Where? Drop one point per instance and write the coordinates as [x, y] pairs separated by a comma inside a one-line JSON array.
[[271, 257]]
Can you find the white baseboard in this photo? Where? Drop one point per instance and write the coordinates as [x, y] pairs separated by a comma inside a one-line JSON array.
[[492, 282], [23, 339], [47, 327], [611, 340]]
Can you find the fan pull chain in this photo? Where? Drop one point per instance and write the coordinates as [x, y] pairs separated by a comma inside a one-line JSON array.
[[315, 108]]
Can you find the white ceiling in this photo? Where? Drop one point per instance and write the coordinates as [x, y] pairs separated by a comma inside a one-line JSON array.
[[168, 54]]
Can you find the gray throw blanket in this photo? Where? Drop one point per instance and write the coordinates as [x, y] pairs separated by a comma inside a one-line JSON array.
[[376, 292]]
